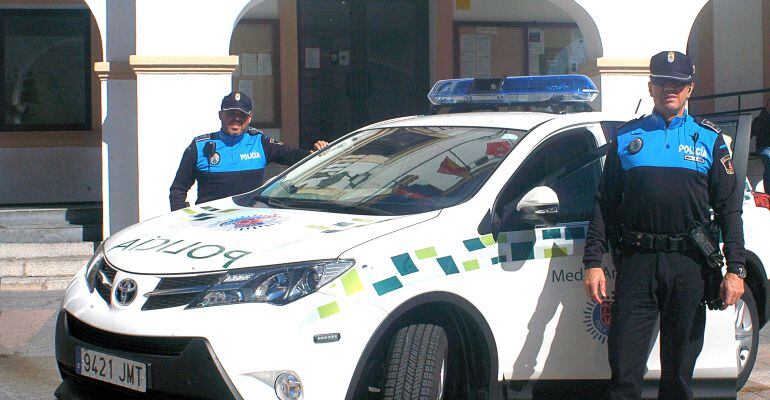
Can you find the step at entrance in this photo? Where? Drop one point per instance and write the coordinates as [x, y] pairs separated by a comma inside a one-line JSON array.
[[43, 246], [58, 223]]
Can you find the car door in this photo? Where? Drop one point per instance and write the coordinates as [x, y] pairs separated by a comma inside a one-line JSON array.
[[564, 335]]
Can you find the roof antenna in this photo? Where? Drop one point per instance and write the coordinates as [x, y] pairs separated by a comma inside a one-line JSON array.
[[637, 106]]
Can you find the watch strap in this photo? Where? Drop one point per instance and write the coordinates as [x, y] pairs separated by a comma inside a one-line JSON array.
[[740, 271]]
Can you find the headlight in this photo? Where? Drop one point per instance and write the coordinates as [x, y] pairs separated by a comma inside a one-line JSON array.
[[280, 284], [93, 266]]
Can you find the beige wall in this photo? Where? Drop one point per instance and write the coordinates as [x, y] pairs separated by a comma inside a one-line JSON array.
[[766, 47], [90, 138], [287, 15], [260, 37], [443, 65]]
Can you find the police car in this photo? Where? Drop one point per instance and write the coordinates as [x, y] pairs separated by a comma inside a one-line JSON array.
[[431, 257]]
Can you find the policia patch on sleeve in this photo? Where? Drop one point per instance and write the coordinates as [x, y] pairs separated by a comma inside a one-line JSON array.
[[727, 163]]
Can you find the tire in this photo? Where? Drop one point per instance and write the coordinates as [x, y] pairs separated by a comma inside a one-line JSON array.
[[417, 364], [747, 335]]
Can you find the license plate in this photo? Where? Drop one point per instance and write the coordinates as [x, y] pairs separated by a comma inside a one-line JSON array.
[[111, 369]]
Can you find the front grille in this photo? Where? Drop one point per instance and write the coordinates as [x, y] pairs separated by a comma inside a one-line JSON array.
[[161, 346], [177, 300], [104, 280], [188, 281], [179, 291]]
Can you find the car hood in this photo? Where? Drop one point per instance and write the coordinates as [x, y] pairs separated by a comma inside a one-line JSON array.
[[221, 235]]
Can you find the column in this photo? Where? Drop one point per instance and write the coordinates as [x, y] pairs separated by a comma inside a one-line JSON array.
[[120, 206], [178, 98]]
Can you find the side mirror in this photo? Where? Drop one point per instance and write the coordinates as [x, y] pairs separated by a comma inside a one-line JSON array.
[[539, 206]]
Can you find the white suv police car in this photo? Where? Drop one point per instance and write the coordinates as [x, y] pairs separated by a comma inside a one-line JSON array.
[[424, 257]]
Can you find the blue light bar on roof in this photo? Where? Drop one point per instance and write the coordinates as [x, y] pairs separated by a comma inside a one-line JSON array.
[[514, 90]]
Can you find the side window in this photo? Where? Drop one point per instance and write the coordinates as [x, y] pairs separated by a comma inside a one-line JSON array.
[[553, 164], [576, 189], [610, 129]]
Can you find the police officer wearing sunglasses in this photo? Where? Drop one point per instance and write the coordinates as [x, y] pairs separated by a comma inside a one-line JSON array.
[[663, 173], [232, 160]]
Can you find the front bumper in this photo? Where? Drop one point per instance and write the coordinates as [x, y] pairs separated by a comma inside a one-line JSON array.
[[179, 367]]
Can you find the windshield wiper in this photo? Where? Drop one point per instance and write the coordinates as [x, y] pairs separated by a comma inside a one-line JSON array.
[[369, 209], [273, 202]]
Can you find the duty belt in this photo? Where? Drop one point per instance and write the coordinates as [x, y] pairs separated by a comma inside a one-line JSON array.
[[656, 242]]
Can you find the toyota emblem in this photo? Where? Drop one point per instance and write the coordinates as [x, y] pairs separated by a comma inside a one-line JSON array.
[[125, 292]]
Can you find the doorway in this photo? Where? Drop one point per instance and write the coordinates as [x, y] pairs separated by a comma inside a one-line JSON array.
[[360, 61]]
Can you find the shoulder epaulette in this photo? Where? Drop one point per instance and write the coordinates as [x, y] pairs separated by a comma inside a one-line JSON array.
[[632, 121], [708, 124], [206, 136], [254, 131]]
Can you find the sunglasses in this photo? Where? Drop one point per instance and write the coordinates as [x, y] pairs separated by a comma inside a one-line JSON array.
[[676, 85], [235, 113]]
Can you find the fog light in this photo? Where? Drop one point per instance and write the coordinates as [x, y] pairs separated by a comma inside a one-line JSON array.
[[288, 387]]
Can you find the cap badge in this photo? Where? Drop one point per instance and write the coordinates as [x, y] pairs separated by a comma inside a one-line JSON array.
[[238, 96], [671, 56], [635, 146]]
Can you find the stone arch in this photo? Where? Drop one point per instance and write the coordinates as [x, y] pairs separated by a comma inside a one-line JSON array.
[[248, 5], [719, 36], [587, 25], [99, 14]]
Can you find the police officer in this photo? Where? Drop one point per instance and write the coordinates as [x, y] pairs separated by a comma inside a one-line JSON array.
[[231, 160], [662, 174]]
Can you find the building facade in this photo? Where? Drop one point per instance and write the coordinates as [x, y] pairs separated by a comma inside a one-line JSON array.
[[100, 97]]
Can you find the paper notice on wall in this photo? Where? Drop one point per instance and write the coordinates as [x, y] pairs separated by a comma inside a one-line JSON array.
[[483, 56], [312, 57], [463, 5], [344, 57], [248, 64], [468, 55], [577, 48], [246, 86], [536, 40], [264, 64], [534, 64]]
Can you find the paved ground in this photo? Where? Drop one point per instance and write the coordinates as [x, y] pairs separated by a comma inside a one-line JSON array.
[[28, 369]]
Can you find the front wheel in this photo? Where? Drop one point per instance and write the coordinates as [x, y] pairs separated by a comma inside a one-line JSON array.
[[746, 334], [417, 363]]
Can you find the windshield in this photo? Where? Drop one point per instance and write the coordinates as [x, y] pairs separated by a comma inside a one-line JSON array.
[[392, 171]]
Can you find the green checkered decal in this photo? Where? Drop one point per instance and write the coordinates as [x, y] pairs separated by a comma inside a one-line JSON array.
[[477, 253], [207, 213]]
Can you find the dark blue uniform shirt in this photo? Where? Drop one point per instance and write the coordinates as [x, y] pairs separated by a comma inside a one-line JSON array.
[[225, 165], [662, 179]]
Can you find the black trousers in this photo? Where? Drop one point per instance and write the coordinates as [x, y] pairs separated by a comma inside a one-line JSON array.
[[649, 284]]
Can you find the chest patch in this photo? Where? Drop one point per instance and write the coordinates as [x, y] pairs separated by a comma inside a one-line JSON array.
[[214, 158], [635, 146], [697, 159]]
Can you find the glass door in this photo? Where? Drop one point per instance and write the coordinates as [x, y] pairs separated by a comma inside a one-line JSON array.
[[361, 61]]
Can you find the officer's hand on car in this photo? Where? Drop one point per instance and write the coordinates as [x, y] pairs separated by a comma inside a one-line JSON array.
[[595, 284], [319, 145], [731, 289]]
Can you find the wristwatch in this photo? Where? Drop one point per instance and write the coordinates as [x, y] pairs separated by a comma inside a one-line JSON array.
[[740, 271]]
